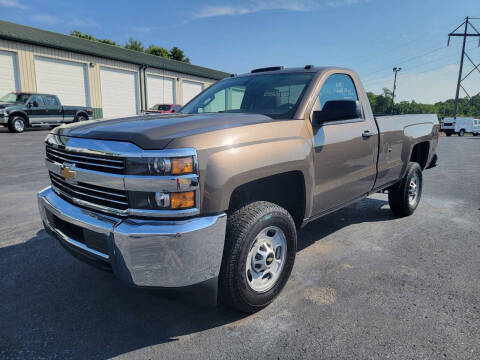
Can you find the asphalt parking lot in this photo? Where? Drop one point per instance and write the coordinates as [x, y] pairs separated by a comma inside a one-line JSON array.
[[365, 285]]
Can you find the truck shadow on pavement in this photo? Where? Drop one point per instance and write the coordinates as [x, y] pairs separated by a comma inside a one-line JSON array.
[[55, 306]]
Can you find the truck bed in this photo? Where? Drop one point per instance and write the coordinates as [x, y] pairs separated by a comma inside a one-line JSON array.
[[397, 133]]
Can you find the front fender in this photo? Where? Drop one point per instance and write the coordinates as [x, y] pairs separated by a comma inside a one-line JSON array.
[[228, 169]]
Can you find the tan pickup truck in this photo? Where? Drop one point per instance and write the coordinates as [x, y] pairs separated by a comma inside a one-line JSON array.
[[215, 194]]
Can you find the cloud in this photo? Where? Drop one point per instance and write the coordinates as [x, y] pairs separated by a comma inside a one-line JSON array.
[[142, 29], [13, 4], [46, 19], [53, 20], [253, 6]]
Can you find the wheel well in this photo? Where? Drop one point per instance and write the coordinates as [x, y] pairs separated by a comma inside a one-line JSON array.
[[420, 153], [17, 114], [286, 189], [81, 113]]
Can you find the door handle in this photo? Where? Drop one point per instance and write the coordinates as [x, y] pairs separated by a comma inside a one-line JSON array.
[[366, 134]]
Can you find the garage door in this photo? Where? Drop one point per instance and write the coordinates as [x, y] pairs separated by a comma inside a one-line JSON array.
[[119, 92], [160, 90], [66, 79], [191, 89], [8, 72]]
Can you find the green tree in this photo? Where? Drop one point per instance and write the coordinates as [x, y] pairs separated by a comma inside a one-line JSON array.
[[158, 51], [81, 35], [381, 104], [177, 54], [134, 45]]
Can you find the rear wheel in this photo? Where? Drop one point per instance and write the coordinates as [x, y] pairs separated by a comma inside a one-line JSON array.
[[404, 198], [259, 254], [80, 118], [17, 124], [475, 134]]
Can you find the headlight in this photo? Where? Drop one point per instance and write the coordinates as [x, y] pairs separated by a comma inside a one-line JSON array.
[[4, 112], [161, 200], [160, 166]]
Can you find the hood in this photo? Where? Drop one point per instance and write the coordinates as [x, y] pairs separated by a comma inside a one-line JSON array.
[[156, 131], [4, 105]]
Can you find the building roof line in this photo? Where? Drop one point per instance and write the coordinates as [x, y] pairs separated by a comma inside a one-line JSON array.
[[26, 34]]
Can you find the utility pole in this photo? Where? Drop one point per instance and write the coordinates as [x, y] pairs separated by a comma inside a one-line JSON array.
[[395, 70], [467, 23]]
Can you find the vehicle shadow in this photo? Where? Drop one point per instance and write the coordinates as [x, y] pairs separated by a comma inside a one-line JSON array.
[[367, 210], [55, 306]]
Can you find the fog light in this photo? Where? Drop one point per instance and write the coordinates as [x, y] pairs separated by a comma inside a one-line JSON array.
[[182, 200]]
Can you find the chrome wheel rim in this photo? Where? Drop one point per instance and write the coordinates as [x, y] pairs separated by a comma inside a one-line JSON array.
[[18, 124], [413, 189], [266, 259]]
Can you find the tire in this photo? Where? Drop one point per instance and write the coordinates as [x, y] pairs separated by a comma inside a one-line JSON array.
[[461, 133], [399, 197], [248, 229], [80, 118], [475, 134], [17, 124]]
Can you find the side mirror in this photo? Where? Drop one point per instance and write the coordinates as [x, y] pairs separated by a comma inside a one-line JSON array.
[[29, 105], [337, 110]]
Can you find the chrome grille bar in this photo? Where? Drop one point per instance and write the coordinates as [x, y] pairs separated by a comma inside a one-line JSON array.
[[98, 163], [91, 194]]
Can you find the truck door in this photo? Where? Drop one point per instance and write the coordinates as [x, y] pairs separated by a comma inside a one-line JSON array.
[[36, 109], [345, 151], [53, 109]]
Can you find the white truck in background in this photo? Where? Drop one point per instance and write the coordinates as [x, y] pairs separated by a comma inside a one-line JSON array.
[[460, 126]]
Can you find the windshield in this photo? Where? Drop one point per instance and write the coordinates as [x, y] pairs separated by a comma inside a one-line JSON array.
[[274, 95], [14, 98]]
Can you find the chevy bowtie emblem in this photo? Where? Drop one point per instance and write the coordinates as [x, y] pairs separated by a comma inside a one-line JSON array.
[[67, 173]]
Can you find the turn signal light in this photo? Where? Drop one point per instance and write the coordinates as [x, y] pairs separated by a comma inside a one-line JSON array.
[[182, 165], [182, 200]]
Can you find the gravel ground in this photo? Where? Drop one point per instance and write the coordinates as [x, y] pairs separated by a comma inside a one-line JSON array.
[[365, 285]]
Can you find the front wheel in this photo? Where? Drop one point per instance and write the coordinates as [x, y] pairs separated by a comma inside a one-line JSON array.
[[258, 257], [17, 124], [461, 133], [404, 198]]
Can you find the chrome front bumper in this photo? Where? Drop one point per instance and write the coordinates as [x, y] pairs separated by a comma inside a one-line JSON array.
[[147, 253]]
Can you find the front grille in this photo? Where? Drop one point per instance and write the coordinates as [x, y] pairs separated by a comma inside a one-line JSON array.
[[108, 164], [112, 198]]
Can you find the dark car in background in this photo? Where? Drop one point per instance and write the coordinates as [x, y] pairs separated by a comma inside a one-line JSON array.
[[163, 109], [19, 110]]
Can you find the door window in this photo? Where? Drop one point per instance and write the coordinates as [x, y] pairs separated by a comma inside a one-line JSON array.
[[38, 99], [336, 87], [51, 102]]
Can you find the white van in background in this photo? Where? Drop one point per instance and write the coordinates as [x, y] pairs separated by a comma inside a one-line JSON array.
[[460, 126]]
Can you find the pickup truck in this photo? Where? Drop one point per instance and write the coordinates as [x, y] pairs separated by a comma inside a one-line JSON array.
[[214, 195], [20, 109]]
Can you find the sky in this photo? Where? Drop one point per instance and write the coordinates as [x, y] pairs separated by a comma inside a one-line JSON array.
[[369, 36]]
